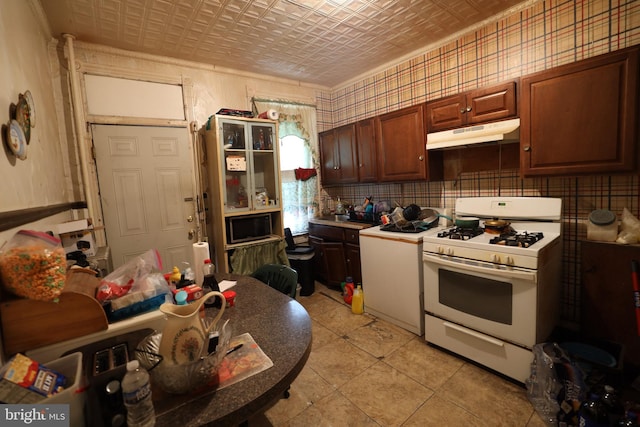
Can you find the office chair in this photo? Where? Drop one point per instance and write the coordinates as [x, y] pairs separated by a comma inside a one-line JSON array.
[[279, 277]]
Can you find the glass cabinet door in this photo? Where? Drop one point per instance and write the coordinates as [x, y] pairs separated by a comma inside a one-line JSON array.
[[266, 193], [236, 165], [250, 165]]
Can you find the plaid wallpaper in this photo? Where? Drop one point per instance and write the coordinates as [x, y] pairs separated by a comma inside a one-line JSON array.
[[543, 35]]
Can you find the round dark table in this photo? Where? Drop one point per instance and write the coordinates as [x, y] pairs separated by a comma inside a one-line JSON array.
[[282, 329]]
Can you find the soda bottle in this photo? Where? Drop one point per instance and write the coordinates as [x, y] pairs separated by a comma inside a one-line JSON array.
[[210, 283], [630, 420], [136, 393], [614, 408], [593, 413]]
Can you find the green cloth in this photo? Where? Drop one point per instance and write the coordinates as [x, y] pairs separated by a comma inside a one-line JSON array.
[[246, 259]]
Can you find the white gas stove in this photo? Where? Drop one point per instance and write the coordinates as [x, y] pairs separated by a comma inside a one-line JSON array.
[[491, 296]]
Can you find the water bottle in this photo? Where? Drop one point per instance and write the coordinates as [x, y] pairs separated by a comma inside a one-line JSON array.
[[136, 392], [210, 283]]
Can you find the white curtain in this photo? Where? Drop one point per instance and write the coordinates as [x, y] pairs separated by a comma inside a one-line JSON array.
[[299, 197]]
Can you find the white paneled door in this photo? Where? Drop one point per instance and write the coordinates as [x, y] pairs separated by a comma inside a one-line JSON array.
[[146, 191]]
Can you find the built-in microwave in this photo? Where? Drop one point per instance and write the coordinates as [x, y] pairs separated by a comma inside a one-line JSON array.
[[247, 228]]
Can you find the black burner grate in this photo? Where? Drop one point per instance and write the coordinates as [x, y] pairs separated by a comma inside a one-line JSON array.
[[521, 240], [459, 233]]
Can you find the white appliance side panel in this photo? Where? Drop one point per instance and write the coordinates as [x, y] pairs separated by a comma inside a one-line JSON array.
[[392, 281], [155, 320], [508, 359]]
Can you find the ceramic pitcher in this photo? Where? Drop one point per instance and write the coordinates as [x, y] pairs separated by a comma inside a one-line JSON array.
[[183, 336]]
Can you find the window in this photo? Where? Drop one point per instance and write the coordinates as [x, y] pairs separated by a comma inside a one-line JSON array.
[[298, 149], [294, 154]]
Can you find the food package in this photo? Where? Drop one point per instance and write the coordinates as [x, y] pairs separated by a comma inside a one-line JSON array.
[[138, 280], [33, 265], [29, 374]]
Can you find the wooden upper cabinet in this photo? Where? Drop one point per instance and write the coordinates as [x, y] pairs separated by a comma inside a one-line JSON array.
[[468, 108], [366, 143], [581, 118], [338, 155], [402, 154]]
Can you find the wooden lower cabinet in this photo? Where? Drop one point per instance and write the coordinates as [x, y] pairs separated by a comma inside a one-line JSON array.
[[337, 252], [607, 305]]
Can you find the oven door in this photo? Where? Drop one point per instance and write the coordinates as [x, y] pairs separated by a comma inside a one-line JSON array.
[[493, 299]]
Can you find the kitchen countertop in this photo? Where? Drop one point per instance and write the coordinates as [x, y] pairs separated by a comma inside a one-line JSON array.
[[331, 220], [282, 329]]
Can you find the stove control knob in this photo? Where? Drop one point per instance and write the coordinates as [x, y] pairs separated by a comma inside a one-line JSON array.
[[449, 251], [510, 260], [440, 250], [495, 258]]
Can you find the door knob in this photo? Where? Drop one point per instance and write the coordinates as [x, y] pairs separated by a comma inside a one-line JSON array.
[[190, 218], [192, 234]]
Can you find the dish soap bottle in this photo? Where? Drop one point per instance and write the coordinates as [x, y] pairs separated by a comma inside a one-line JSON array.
[[357, 302]]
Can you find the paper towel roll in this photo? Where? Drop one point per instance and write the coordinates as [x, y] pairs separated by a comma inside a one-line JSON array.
[[269, 114], [200, 253]]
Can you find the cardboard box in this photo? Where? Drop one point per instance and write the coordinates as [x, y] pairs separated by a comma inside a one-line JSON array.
[[82, 240], [71, 226]]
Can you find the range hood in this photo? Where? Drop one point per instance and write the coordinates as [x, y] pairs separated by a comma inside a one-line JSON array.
[[502, 132]]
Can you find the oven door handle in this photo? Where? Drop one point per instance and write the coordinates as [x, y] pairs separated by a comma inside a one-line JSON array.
[[474, 334], [473, 268]]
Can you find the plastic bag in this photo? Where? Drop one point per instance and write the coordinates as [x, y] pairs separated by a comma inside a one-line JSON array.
[[142, 275], [33, 265], [556, 386], [629, 229]]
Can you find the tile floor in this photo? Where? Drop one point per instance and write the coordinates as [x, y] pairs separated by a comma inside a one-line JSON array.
[[364, 371]]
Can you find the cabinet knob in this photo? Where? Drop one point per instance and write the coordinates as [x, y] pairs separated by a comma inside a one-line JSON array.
[[527, 148], [421, 158], [468, 108], [359, 165], [462, 111]]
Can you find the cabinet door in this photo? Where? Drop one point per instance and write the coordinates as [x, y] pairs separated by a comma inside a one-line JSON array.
[[353, 262], [235, 165], [401, 145], [264, 166], [335, 263], [446, 113], [347, 163], [366, 143], [581, 118], [329, 158], [491, 103]]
